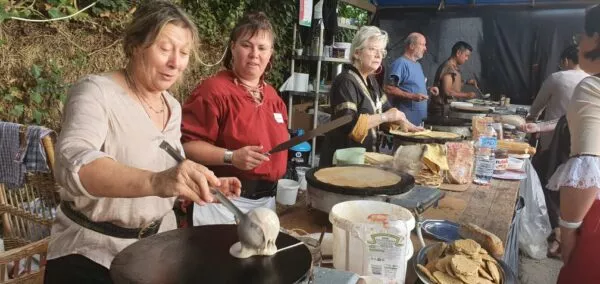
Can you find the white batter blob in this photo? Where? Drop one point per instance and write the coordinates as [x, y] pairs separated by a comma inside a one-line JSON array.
[[267, 220]]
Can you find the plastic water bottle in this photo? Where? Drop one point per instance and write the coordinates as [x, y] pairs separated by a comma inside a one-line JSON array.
[[485, 161]]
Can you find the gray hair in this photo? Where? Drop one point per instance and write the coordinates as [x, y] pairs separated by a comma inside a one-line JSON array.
[[149, 20], [364, 34], [412, 38]]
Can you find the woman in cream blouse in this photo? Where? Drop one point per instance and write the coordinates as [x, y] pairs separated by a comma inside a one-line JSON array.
[[117, 184], [579, 178]]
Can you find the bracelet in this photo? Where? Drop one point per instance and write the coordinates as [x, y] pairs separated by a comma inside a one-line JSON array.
[[569, 225], [228, 157]]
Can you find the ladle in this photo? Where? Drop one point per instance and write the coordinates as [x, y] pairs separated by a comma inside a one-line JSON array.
[[249, 233]]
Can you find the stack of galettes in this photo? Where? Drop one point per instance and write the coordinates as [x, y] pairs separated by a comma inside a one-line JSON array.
[[463, 261]]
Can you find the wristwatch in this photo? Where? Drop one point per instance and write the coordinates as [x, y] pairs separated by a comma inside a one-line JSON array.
[[228, 157]]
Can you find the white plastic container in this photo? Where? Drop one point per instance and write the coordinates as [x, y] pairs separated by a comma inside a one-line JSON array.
[[301, 172], [287, 191], [368, 248], [345, 46]]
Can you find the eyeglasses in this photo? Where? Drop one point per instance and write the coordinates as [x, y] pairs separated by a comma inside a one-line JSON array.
[[375, 51], [577, 39]]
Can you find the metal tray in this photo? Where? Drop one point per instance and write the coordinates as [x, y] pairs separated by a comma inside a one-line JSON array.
[[442, 230], [507, 274]]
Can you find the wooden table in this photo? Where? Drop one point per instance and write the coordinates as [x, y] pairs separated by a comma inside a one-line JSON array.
[[490, 207]]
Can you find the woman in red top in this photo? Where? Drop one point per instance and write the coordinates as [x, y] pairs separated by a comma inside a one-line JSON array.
[[234, 117]]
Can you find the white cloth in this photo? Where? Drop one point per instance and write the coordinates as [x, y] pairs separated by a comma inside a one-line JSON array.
[[554, 96], [583, 117], [102, 121], [214, 213], [578, 172]]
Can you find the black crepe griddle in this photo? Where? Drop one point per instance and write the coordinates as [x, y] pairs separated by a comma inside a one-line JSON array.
[[406, 183], [201, 255]]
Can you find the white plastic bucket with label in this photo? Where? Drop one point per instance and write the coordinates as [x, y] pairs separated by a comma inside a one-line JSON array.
[[287, 191], [368, 247]]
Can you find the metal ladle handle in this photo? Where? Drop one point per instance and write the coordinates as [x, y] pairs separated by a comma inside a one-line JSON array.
[[219, 195]]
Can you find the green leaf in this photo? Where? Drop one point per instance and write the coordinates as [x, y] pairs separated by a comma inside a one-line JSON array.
[[17, 111], [37, 116], [36, 97], [55, 13], [36, 71]]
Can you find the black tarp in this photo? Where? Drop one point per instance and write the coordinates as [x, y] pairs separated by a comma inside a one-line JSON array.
[[516, 47]]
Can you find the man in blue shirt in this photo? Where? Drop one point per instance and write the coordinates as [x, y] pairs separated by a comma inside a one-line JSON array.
[[406, 87]]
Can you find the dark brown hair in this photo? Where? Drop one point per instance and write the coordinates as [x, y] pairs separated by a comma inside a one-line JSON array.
[[591, 27], [148, 21], [249, 25]]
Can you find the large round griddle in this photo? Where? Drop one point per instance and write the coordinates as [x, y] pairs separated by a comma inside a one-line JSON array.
[[406, 183], [201, 255]]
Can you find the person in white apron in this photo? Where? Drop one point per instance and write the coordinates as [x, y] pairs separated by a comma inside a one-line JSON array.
[[234, 117]]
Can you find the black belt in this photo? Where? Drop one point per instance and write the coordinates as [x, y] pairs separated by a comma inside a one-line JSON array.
[[108, 228], [256, 189]]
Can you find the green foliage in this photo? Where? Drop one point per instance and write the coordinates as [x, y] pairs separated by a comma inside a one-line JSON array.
[[52, 9], [103, 6], [216, 19], [39, 100]]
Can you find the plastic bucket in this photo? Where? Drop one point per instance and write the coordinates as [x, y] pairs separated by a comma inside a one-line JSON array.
[[371, 248], [287, 190]]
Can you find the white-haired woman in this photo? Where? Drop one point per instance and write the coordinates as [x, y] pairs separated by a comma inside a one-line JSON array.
[[356, 92]]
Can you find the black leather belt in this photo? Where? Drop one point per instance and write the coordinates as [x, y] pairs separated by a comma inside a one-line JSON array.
[[256, 189], [108, 228]]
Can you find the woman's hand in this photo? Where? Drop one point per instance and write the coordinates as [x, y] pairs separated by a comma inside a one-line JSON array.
[[249, 157], [413, 128], [568, 240], [188, 180], [394, 115], [530, 127], [230, 186]]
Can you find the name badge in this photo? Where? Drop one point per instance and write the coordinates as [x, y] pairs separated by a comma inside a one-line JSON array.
[[278, 117]]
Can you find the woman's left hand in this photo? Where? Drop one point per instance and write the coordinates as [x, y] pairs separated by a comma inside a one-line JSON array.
[[230, 186], [413, 128], [568, 240]]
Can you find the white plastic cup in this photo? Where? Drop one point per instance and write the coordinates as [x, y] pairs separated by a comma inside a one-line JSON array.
[[301, 172], [287, 191]]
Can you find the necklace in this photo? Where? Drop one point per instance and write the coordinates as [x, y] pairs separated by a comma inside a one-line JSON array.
[[131, 85], [256, 92], [162, 103], [134, 89]]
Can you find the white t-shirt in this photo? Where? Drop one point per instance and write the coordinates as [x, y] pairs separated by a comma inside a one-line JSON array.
[[554, 97]]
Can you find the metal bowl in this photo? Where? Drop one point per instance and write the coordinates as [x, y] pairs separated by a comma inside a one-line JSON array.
[[505, 271]]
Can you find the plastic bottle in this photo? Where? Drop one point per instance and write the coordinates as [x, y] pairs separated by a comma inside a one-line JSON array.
[[485, 161], [299, 154]]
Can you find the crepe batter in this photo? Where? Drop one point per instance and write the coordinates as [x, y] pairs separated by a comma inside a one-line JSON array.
[[268, 222]]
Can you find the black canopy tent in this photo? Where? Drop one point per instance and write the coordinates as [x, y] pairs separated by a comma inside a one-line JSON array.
[[516, 44]]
